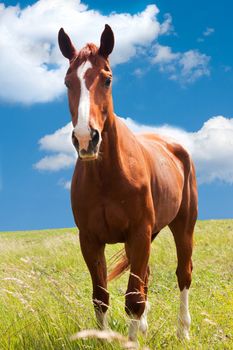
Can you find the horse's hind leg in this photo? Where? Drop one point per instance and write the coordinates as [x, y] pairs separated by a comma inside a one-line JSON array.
[[184, 244], [182, 228]]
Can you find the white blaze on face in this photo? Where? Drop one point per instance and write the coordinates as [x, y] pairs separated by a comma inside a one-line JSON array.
[[82, 129]]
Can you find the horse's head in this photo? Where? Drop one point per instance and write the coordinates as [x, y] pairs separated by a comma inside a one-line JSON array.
[[88, 80]]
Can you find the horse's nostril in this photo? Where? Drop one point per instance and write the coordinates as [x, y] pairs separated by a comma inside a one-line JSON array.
[[95, 137]]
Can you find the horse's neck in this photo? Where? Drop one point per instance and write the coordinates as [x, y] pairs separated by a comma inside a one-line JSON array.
[[114, 138]]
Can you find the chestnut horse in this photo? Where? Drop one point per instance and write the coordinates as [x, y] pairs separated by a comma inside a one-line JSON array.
[[125, 187]]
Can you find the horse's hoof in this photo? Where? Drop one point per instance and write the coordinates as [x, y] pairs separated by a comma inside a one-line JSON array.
[[183, 334], [101, 319], [143, 326]]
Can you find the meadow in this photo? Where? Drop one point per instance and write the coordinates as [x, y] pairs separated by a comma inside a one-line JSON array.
[[45, 291]]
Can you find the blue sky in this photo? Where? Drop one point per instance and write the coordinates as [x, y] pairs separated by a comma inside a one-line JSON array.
[[170, 68]]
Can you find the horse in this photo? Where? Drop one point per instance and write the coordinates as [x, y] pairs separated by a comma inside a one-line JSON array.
[[125, 188]]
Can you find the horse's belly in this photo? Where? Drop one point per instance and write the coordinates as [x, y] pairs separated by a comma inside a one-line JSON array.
[[167, 208], [109, 222]]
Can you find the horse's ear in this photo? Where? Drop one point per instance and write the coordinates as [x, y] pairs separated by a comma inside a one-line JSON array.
[[106, 41], [67, 48]]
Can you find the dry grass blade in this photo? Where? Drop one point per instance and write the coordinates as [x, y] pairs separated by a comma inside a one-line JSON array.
[[107, 335]]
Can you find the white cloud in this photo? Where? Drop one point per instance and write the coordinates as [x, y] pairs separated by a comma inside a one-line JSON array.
[[60, 144], [208, 31], [56, 162], [211, 147], [193, 65], [213, 150], [164, 54], [65, 184], [60, 141], [32, 68], [139, 72], [167, 27], [185, 67]]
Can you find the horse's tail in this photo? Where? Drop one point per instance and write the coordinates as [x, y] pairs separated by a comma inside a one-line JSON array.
[[118, 265]]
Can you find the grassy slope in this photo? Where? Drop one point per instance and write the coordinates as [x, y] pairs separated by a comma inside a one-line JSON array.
[[45, 291]]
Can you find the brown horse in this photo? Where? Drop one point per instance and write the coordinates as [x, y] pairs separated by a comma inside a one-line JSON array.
[[125, 187]]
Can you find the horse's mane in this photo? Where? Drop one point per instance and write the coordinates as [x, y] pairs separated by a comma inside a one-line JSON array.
[[89, 50]]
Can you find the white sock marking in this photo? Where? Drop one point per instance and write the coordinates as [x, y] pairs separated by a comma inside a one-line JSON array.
[[143, 326], [82, 130], [140, 324], [101, 318], [184, 319], [133, 329]]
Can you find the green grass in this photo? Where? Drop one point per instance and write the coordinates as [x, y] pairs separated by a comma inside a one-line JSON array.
[[45, 291]]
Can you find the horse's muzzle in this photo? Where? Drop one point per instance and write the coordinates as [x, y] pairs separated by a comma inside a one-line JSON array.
[[91, 153]]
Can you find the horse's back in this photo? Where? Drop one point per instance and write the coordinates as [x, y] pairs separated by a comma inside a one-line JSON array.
[[163, 151]]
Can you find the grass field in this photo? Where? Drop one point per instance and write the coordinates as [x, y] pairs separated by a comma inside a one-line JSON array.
[[45, 291]]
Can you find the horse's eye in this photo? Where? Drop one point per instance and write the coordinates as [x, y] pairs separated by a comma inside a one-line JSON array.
[[107, 82]]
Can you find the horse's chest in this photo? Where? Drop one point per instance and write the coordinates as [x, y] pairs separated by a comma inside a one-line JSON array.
[[106, 219]]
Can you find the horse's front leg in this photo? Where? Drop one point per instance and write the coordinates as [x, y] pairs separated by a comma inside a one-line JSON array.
[[138, 251], [93, 253]]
